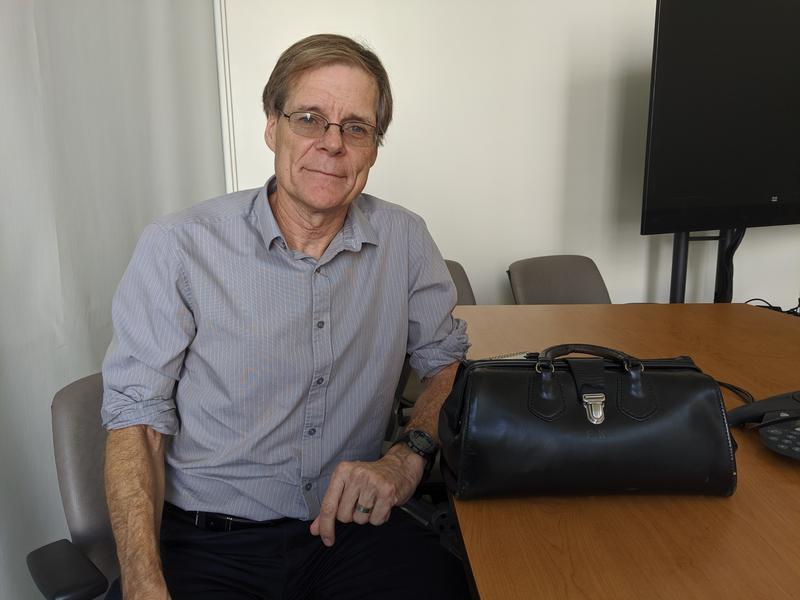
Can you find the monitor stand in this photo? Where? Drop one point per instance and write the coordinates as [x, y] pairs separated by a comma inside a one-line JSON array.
[[728, 241]]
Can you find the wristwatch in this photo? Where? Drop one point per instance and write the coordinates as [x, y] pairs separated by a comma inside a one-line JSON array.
[[420, 442]]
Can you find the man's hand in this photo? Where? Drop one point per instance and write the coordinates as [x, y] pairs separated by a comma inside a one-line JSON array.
[[378, 486], [388, 482]]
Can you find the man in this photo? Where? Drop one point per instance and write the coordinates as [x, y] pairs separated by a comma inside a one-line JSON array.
[[258, 338]]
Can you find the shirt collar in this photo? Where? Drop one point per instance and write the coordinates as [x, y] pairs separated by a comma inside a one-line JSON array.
[[265, 220], [356, 231]]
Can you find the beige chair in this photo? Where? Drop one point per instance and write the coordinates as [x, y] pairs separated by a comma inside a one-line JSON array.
[[409, 386], [560, 279], [430, 506], [461, 281], [78, 569]]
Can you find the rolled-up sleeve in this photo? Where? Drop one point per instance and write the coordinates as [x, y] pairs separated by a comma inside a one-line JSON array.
[[153, 327], [435, 338]]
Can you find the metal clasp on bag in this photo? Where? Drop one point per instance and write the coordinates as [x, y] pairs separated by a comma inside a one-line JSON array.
[[594, 404]]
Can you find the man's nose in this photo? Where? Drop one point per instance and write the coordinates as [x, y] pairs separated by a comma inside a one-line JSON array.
[[332, 140]]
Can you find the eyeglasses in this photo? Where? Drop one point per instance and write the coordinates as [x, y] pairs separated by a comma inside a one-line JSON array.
[[312, 125]]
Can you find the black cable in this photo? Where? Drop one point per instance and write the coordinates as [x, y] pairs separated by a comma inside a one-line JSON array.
[[758, 300], [741, 392], [794, 311]]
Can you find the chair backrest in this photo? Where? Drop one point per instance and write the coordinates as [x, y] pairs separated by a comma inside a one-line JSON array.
[[409, 387], [79, 443], [560, 279], [463, 287]]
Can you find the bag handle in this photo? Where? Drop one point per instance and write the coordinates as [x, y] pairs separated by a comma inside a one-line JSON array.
[[546, 357]]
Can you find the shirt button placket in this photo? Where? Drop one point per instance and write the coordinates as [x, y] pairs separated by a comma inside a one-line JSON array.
[[312, 439]]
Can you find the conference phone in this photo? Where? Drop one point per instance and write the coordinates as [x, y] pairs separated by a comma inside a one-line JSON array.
[[777, 419]]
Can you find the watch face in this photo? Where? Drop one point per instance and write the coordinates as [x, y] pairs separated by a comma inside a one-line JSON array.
[[422, 441]]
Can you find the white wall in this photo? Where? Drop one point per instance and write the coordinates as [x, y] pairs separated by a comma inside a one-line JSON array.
[[109, 113], [519, 131]]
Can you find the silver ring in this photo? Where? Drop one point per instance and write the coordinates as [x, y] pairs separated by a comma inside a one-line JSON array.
[[363, 509]]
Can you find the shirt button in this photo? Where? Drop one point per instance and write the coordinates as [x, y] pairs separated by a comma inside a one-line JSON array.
[[320, 324], [312, 431], [307, 487], [318, 270], [320, 381]]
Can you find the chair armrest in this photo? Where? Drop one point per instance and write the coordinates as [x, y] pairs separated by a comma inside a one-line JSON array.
[[62, 572], [440, 519]]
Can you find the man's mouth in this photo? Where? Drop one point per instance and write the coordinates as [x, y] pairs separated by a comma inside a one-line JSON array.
[[326, 173]]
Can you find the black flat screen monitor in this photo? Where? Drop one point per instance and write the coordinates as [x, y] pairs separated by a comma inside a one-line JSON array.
[[723, 142]]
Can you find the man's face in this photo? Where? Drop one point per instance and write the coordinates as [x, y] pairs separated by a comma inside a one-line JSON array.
[[325, 174]]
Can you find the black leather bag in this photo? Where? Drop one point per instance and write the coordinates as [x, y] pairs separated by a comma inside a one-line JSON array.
[[610, 423]]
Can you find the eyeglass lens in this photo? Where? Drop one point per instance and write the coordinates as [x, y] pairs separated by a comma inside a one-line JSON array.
[[312, 125]]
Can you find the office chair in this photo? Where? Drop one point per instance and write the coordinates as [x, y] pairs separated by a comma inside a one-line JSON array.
[[79, 569], [409, 386], [464, 294], [560, 279], [430, 506]]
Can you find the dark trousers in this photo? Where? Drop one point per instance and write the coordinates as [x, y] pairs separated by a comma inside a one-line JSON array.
[[397, 560]]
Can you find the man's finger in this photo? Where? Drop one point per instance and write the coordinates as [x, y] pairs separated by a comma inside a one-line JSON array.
[[380, 512], [330, 505], [364, 507], [347, 502]]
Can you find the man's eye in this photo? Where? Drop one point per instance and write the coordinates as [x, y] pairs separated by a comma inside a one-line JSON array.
[[356, 129], [307, 119]]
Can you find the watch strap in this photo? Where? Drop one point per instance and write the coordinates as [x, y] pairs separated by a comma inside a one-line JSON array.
[[429, 456]]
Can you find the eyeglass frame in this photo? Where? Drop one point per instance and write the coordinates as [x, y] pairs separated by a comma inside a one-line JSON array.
[[373, 138]]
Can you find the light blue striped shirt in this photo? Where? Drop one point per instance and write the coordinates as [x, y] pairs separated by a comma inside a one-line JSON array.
[[265, 366]]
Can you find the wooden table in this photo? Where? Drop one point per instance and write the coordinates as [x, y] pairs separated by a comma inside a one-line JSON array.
[[671, 547]]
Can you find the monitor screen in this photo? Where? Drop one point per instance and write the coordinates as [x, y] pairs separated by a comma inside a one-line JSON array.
[[723, 144]]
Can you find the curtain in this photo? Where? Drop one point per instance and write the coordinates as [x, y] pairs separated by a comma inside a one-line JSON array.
[[109, 117]]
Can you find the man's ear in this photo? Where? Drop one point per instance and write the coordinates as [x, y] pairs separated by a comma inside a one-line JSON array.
[[269, 132]]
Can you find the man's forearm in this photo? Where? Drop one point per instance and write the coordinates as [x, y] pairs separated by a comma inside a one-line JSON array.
[[134, 473], [429, 403]]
